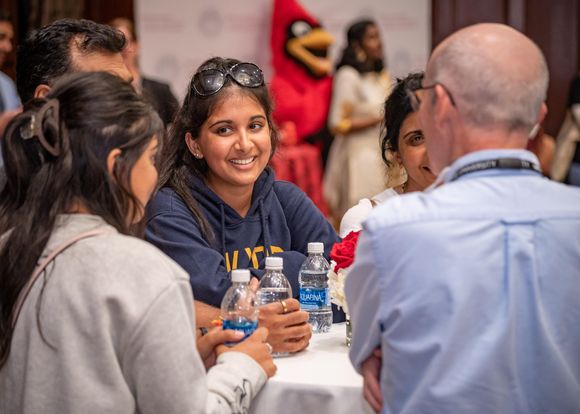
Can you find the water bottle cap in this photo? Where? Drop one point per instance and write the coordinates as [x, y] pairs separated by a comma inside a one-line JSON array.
[[274, 263], [240, 275], [316, 247]]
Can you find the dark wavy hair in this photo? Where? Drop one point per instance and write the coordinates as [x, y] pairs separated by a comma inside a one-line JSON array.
[[177, 163], [397, 109], [45, 55], [354, 37], [55, 157]]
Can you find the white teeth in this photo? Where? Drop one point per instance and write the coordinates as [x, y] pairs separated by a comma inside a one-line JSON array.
[[243, 162]]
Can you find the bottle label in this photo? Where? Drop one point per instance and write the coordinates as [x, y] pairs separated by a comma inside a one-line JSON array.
[[247, 327], [314, 299]]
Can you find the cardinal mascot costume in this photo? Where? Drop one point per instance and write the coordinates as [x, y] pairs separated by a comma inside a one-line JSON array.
[[301, 88]]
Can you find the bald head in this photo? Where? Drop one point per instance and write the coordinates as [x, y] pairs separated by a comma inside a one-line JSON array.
[[498, 77]]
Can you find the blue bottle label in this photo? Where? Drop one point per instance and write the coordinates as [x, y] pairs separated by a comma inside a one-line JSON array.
[[247, 327], [314, 299]]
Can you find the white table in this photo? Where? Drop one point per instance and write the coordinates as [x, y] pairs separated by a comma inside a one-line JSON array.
[[317, 380]]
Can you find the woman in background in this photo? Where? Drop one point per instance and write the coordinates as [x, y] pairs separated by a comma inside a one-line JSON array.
[[403, 150], [108, 325], [566, 160], [361, 83], [405, 155]]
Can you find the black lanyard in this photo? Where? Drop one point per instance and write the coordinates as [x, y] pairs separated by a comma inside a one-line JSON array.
[[503, 163]]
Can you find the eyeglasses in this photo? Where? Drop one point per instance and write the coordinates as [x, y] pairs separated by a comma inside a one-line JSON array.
[[209, 81], [416, 102]]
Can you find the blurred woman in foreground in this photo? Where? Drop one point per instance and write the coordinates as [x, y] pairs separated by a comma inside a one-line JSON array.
[[93, 320]]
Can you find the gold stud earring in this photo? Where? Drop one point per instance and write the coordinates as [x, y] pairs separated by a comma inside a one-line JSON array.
[[361, 56]]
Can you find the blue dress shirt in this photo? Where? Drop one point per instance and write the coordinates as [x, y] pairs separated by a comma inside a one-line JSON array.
[[8, 93], [10, 101], [472, 291]]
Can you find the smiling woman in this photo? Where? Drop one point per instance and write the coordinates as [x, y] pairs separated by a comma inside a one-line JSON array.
[[403, 151], [236, 146], [219, 207]]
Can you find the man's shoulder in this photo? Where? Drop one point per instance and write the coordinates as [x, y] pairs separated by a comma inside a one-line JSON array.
[[5, 78], [481, 199], [408, 208], [154, 83], [6, 82], [9, 93]]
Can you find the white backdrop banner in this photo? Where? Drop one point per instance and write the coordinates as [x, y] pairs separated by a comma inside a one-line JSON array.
[[176, 36]]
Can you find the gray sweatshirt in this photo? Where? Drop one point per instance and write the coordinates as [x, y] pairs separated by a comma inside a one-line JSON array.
[[118, 323]]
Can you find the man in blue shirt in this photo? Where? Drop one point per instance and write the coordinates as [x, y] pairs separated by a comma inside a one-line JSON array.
[[9, 100], [465, 299]]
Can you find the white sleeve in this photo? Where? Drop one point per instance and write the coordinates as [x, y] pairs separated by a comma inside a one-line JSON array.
[[166, 373], [363, 296], [233, 383], [353, 218]]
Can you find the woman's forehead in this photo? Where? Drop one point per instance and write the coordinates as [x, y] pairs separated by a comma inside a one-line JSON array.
[[235, 98]]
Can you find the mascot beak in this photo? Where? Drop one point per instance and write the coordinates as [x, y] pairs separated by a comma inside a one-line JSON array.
[[311, 50]]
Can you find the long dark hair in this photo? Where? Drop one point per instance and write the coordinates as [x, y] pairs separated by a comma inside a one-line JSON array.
[[177, 163], [354, 37], [55, 157]]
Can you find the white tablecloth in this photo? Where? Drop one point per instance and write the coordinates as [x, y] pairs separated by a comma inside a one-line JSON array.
[[317, 380]]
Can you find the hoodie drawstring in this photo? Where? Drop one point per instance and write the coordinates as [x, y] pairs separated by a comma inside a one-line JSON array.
[[223, 219], [265, 229]]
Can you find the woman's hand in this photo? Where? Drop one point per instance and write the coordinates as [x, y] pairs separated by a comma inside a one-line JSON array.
[[289, 329], [206, 344], [255, 347]]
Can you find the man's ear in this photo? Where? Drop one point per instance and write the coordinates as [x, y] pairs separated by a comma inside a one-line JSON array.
[[442, 106], [193, 146], [112, 159], [543, 113], [41, 91]]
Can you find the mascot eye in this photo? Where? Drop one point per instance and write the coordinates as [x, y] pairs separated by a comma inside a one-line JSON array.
[[300, 28]]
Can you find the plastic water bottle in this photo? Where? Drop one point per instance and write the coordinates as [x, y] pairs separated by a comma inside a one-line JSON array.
[[238, 309], [274, 287], [314, 292]]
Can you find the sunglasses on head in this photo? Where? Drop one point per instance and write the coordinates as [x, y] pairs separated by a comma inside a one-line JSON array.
[[209, 81]]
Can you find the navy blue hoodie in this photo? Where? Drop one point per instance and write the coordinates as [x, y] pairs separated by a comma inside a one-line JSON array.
[[281, 221]]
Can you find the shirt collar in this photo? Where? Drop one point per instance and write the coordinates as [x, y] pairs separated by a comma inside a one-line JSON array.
[[477, 156]]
